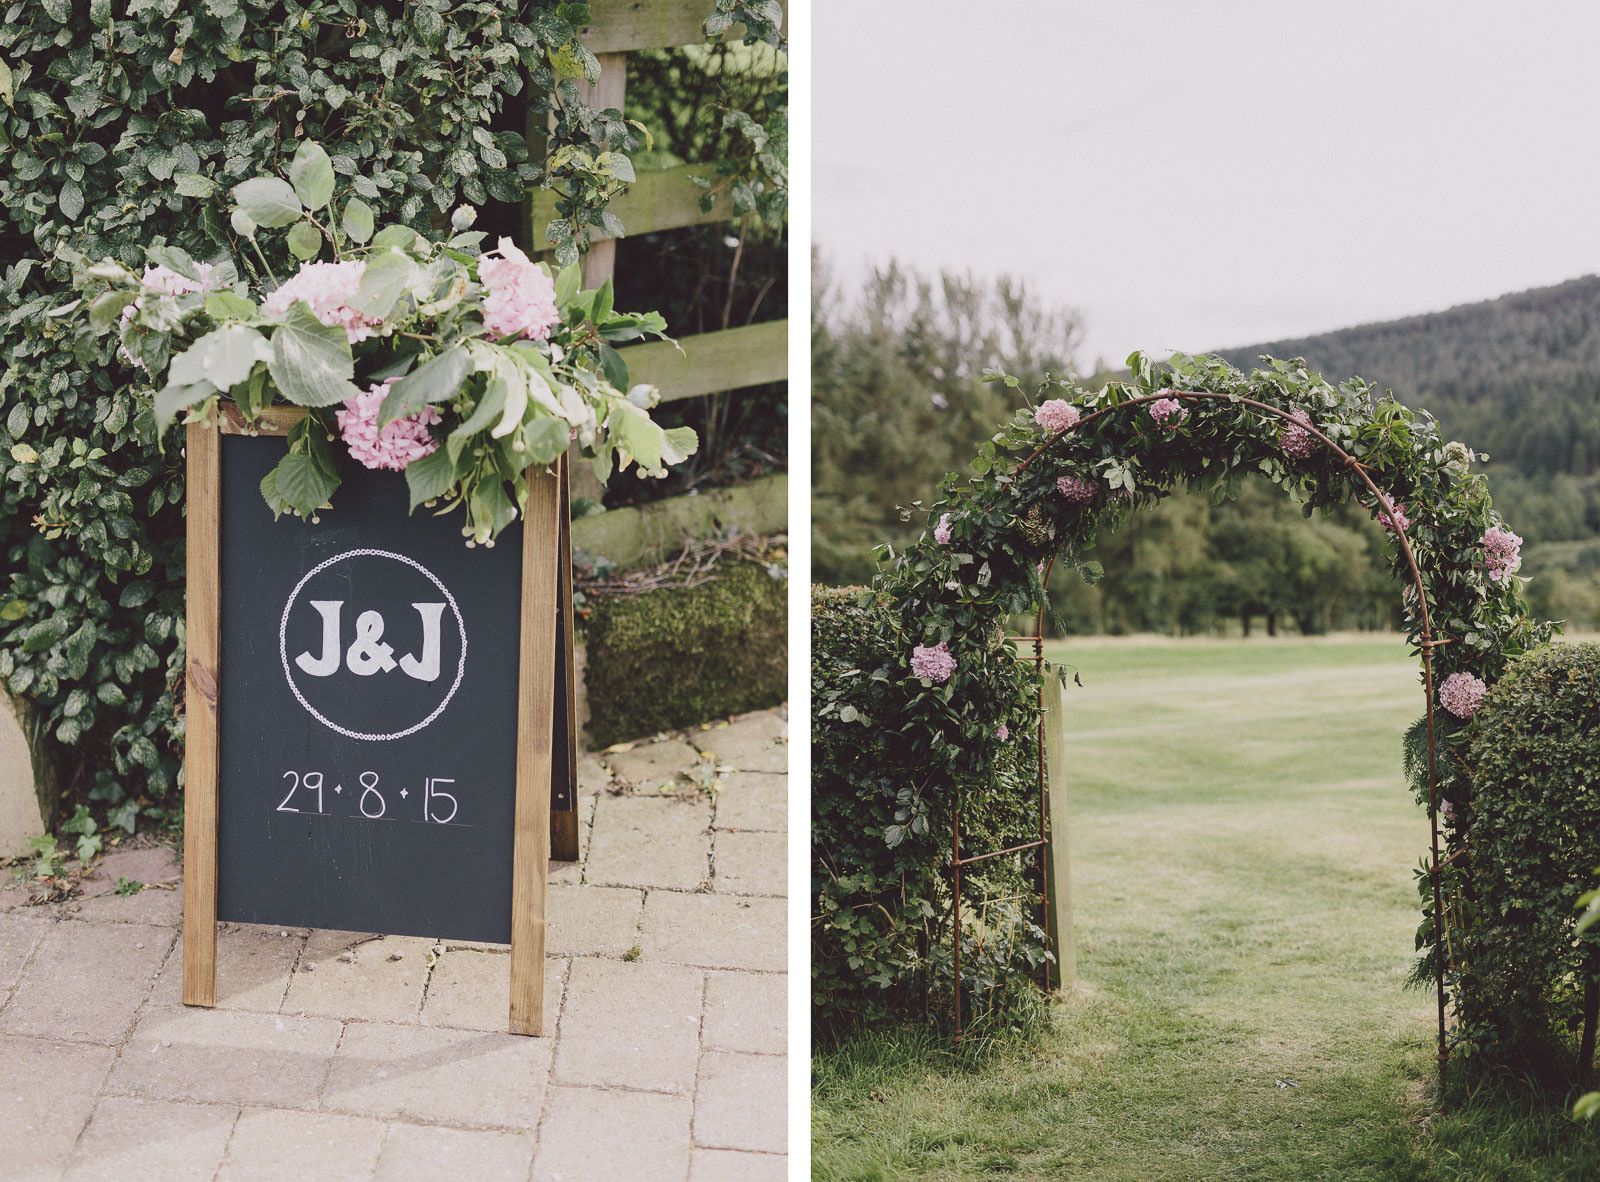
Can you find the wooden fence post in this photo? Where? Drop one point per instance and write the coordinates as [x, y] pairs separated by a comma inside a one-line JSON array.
[[1058, 865]]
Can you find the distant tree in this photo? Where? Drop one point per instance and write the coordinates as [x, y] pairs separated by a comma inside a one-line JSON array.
[[898, 397]]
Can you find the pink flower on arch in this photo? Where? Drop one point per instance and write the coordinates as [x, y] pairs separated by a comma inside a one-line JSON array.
[[1002, 732], [941, 532], [1169, 412], [1462, 694], [933, 662], [1502, 552], [1296, 440], [1056, 415], [1075, 490], [522, 298], [1392, 514], [400, 443]]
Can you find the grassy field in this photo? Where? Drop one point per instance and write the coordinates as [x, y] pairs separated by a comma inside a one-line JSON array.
[[1243, 855]]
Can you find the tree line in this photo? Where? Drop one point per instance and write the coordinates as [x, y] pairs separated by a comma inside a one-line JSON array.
[[898, 400]]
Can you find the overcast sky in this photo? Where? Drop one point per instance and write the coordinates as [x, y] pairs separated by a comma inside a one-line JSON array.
[[1209, 173]]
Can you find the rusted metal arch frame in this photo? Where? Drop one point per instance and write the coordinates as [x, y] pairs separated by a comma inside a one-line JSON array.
[[1426, 643]]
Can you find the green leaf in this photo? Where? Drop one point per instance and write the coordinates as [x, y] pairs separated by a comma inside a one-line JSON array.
[[357, 219], [14, 611], [71, 201], [228, 354], [7, 86], [45, 633], [311, 363], [567, 283], [268, 201], [192, 184], [302, 484], [438, 379], [383, 281], [311, 174], [636, 434], [176, 397], [224, 305], [614, 367], [430, 477], [106, 310], [402, 236], [489, 501], [545, 440], [305, 241]]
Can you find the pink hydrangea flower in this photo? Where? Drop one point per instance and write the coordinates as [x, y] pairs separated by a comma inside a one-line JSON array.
[[522, 298], [1075, 490], [1056, 415], [166, 281], [1502, 552], [1168, 412], [1296, 440], [327, 289], [941, 532], [400, 443], [166, 284], [935, 662], [1002, 732], [1447, 810], [1392, 514], [1462, 694]]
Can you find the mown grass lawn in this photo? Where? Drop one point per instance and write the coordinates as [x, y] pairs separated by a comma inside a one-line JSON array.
[[1243, 855]]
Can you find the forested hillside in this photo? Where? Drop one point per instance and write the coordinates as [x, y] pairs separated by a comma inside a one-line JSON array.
[[1519, 376], [897, 401]]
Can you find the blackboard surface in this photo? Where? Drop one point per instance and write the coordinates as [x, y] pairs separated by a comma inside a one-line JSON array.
[[367, 711]]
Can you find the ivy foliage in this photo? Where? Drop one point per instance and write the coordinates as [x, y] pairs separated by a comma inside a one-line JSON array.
[[126, 126], [1038, 496], [881, 898], [1535, 847]]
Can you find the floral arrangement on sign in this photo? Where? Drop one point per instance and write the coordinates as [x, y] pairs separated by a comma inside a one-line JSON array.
[[458, 367]]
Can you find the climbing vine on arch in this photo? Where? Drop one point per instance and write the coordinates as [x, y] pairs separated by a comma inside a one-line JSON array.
[[954, 698]]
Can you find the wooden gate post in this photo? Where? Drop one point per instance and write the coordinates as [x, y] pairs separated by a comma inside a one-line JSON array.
[[1058, 863]]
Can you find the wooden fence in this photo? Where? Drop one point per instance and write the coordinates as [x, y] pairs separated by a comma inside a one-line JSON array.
[[706, 363]]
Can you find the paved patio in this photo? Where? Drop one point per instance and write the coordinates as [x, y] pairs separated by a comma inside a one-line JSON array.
[[345, 1056]]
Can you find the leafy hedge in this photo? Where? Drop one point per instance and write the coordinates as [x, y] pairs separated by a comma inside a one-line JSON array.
[[125, 126], [1535, 842], [880, 836]]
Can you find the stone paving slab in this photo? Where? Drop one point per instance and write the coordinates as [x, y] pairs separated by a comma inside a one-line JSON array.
[[86, 982], [631, 1026], [431, 1153], [658, 841], [715, 931], [746, 1012], [590, 1134], [272, 1145], [751, 863], [437, 1075], [753, 800], [135, 1139], [339, 1055], [254, 966], [739, 1104], [752, 743], [353, 976], [471, 990], [227, 1057], [47, 1095], [730, 1165]]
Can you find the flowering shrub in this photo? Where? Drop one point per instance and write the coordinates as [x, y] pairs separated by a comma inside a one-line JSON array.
[[880, 929], [475, 365], [1016, 510], [935, 662], [1462, 694], [1502, 552]]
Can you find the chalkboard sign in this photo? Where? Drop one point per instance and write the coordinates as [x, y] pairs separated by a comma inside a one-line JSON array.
[[378, 760]]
